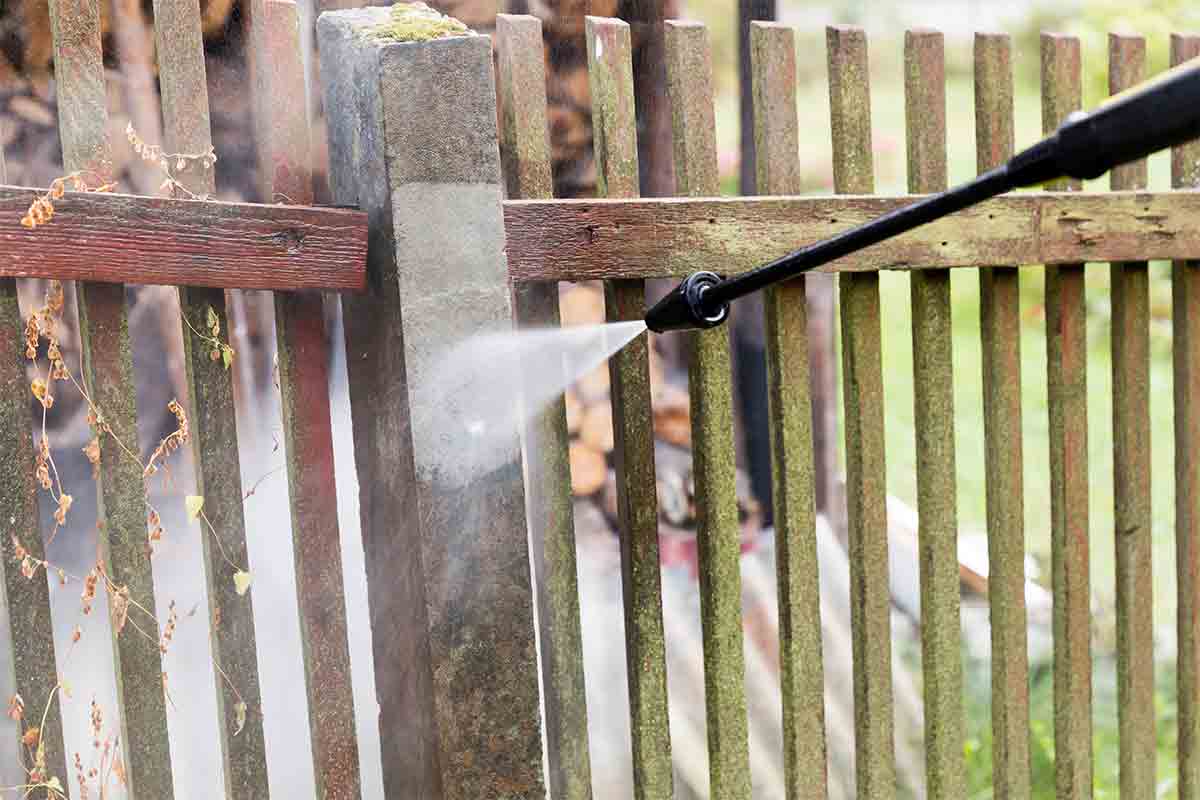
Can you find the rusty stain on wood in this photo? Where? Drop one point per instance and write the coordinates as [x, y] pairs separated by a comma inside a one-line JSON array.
[[933, 399], [1185, 325], [153, 240], [689, 87], [614, 126], [303, 355], [866, 474], [776, 136], [1066, 361], [1131, 478], [108, 376], [213, 420], [1000, 331], [578, 240], [525, 153]]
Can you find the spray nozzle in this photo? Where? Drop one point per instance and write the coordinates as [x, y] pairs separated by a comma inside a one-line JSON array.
[[687, 306]]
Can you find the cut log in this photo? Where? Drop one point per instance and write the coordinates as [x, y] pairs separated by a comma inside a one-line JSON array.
[[588, 469], [597, 429]]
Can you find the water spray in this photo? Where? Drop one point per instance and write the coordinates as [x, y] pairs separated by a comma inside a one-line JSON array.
[[1155, 115]]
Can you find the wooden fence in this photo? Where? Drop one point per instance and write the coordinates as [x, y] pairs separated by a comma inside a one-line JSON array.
[[417, 144]]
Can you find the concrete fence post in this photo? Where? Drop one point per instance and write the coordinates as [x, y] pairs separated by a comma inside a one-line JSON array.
[[411, 115]]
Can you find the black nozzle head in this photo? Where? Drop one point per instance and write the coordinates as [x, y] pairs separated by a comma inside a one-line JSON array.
[[686, 307]]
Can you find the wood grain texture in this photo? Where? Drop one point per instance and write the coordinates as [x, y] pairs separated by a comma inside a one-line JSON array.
[[1000, 332], [710, 391], [866, 473], [152, 240], [802, 677], [577, 240], [303, 358], [615, 140], [1185, 327], [933, 414], [108, 376], [1130, 282], [525, 154], [213, 420], [1066, 364]]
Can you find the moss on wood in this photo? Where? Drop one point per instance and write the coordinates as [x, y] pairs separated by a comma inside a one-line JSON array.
[[417, 22]]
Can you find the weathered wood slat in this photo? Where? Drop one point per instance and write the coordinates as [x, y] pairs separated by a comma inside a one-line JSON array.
[[1185, 325], [303, 357], [776, 137], [525, 153], [30, 634], [1066, 361], [710, 388], [108, 377], [1131, 473], [933, 399], [187, 129], [866, 474], [115, 238], [1000, 331], [614, 129], [576, 240]]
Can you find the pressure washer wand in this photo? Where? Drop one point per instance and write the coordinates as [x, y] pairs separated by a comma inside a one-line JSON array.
[[1160, 113]]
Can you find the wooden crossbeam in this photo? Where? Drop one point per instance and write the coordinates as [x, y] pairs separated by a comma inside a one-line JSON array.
[[115, 238], [577, 240]]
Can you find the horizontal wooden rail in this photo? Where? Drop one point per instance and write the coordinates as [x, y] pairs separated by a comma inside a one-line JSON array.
[[579, 240], [115, 238]]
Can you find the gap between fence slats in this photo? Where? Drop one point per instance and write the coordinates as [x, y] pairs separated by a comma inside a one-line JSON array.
[[525, 152], [1130, 291], [1185, 322], [776, 141], [933, 415], [615, 135], [1066, 362], [689, 86], [1000, 332], [866, 476], [108, 376]]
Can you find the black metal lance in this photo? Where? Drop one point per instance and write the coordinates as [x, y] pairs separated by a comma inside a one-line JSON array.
[[1157, 114]]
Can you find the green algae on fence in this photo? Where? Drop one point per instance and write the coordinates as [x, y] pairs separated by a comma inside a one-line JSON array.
[[1130, 288], [1185, 327], [614, 130], [26, 601], [1000, 331], [933, 399], [525, 153], [187, 129], [417, 22], [710, 388], [789, 398], [108, 377], [866, 475], [1066, 363]]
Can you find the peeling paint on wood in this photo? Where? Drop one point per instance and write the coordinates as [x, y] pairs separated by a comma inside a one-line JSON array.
[[866, 474], [1000, 330], [710, 388], [776, 136], [614, 126], [1066, 361], [933, 399], [525, 153]]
